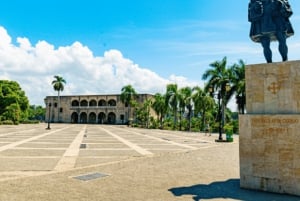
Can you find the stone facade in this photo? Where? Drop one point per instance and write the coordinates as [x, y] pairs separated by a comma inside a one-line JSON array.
[[270, 132], [100, 109]]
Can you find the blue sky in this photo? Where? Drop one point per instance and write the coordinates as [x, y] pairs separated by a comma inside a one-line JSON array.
[[172, 40]]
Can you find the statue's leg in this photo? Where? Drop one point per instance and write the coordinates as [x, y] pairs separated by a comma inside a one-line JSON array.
[[283, 49], [265, 42]]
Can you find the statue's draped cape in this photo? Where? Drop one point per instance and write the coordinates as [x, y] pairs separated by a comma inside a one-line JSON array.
[[269, 17]]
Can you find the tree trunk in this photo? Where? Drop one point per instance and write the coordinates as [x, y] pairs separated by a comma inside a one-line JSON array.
[[58, 106]]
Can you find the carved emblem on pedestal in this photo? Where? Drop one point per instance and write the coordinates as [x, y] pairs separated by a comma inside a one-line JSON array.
[[274, 88]]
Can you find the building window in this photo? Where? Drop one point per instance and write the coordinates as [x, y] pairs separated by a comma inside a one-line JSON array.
[[93, 103], [102, 103], [112, 102], [75, 103], [55, 104], [84, 103], [61, 110]]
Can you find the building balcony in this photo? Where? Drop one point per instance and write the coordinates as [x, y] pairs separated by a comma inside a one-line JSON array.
[[92, 107]]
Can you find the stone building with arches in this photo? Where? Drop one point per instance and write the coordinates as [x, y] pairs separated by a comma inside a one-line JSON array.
[[91, 109]]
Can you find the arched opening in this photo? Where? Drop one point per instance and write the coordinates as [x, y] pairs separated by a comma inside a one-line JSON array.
[[92, 118], [83, 118], [122, 118], [83, 103], [75, 103], [102, 103], [112, 102], [101, 118], [111, 118], [74, 118], [93, 103]]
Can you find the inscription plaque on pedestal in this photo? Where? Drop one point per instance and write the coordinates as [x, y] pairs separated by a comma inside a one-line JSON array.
[[269, 153]]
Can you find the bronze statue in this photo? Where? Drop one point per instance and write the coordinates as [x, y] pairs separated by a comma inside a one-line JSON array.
[[270, 22]]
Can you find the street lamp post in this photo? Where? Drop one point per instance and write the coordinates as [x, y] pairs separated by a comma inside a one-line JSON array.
[[49, 116], [220, 115], [221, 108], [191, 113], [227, 88]]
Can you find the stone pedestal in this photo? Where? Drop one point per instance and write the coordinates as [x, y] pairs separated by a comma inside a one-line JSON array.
[[270, 132], [273, 88]]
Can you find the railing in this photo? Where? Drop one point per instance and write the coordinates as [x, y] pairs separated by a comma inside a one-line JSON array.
[[92, 107]]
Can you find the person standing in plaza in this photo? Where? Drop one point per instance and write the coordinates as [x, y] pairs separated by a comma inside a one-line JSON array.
[[207, 129]]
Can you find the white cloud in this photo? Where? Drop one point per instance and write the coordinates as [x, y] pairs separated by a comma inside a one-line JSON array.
[[34, 66], [183, 81], [5, 39], [24, 44]]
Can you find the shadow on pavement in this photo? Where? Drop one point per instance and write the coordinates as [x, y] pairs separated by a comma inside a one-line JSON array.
[[229, 189]]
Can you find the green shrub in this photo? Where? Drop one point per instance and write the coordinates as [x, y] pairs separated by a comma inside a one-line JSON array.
[[8, 122], [30, 122]]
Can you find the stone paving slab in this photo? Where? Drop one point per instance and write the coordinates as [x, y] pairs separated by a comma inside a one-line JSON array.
[[106, 145], [28, 164], [43, 145], [119, 152], [86, 162], [55, 141], [31, 152]]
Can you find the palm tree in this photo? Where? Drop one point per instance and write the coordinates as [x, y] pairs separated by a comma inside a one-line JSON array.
[[185, 97], [58, 85], [239, 86], [172, 100], [219, 77], [203, 103], [128, 94], [159, 106], [147, 105]]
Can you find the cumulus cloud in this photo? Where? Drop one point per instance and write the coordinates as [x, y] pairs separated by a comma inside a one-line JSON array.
[[34, 66]]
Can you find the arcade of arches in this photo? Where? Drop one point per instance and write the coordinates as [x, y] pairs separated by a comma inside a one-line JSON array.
[[92, 109], [94, 118]]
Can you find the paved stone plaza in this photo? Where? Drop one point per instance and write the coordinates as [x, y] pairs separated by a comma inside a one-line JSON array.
[[113, 163]]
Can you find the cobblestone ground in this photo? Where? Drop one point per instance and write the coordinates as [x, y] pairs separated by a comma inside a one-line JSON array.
[[101, 162]]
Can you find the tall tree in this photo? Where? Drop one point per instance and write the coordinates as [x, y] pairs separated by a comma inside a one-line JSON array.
[[13, 102], [172, 99], [36, 113], [203, 104], [238, 85], [128, 95], [58, 85], [143, 113], [160, 107], [218, 78], [185, 98], [147, 105]]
